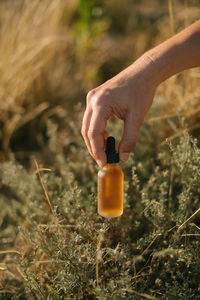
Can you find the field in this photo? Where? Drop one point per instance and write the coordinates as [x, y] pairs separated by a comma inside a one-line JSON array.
[[53, 244]]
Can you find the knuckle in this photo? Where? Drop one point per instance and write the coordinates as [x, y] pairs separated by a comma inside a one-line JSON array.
[[99, 101], [90, 95], [97, 98]]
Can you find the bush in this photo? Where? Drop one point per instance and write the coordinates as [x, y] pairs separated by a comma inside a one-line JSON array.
[[62, 248]]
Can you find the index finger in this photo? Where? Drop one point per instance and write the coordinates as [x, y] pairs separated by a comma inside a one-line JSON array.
[[96, 134], [85, 126]]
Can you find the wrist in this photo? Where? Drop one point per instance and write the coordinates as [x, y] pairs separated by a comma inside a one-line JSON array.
[[144, 71], [164, 60], [153, 70]]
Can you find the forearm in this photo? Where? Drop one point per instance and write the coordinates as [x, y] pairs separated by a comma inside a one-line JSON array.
[[178, 53]]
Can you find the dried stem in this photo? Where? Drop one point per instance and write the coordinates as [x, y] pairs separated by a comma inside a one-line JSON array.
[[171, 16], [44, 189], [181, 226]]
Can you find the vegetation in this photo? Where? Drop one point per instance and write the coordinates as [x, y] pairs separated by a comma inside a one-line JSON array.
[[53, 245]]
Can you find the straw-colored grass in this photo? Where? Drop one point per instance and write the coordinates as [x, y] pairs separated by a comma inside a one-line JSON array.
[[31, 37]]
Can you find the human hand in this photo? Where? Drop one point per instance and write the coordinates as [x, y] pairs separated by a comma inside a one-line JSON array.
[[128, 96]]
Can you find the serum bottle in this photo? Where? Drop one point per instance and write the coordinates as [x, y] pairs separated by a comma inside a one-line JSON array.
[[110, 184]]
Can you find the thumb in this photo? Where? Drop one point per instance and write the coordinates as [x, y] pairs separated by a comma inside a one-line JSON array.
[[130, 136]]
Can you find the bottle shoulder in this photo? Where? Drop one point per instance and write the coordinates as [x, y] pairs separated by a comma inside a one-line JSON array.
[[110, 169]]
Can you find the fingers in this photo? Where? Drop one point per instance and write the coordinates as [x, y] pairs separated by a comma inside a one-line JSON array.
[[93, 127], [85, 126], [96, 134], [130, 136]]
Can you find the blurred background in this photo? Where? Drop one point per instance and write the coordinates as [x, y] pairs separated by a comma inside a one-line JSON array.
[[53, 52], [53, 245]]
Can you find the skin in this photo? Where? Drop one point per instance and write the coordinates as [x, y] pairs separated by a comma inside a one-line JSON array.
[[129, 94]]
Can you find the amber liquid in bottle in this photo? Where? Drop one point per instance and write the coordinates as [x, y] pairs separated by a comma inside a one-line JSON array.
[[110, 184]]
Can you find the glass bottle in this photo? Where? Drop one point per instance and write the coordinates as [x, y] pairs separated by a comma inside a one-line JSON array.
[[110, 184]]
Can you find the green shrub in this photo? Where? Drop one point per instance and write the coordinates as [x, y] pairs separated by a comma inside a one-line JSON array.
[[65, 250]]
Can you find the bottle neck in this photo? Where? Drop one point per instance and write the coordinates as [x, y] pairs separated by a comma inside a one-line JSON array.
[[111, 166]]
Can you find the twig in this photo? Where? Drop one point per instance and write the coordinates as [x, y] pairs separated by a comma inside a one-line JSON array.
[[171, 16], [98, 257], [171, 183], [44, 189], [145, 250], [166, 116], [181, 226], [142, 275], [191, 234], [193, 224], [144, 295], [181, 132], [32, 114], [171, 228], [135, 274], [59, 225], [10, 251], [97, 273], [170, 191], [42, 169], [6, 291], [48, 262]]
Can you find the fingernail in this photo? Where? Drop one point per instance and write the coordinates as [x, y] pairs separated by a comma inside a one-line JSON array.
[[124, 156]]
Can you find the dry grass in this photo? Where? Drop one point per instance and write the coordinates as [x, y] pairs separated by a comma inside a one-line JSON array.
[[31, 37]]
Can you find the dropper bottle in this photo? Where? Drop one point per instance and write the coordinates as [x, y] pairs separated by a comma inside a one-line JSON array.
[[110, 184]]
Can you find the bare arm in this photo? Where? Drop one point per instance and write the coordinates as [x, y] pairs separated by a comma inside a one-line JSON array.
[[129, 94], [178, 53]]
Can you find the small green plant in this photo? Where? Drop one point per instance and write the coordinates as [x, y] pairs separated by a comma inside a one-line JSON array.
[[63, 249]]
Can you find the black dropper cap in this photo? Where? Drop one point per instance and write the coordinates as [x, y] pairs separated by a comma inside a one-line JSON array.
[[112, 155]]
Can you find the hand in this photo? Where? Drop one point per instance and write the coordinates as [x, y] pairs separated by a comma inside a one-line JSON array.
[[128, 96]]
